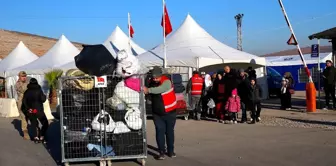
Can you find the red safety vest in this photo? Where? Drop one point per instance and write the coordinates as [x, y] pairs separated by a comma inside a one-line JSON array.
[[169, 97], [196, 84]]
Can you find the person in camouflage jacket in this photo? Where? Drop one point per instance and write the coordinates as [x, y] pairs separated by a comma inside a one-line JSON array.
[[21, 87]]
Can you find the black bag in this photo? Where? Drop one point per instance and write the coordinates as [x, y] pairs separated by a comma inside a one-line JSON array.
[[96, 60]]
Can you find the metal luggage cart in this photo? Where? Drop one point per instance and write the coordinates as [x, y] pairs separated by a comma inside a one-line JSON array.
[[92, 129]]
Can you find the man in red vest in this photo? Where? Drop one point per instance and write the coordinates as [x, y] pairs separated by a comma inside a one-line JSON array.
[[194, 89], [164, 111]]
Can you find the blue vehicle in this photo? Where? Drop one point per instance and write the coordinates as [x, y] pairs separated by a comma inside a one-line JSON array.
[[274, 79]]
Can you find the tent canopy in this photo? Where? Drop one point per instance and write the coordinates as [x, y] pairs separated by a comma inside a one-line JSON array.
[[61, 53], [20, 56], [118, 40], [296, 60], [191, 46]]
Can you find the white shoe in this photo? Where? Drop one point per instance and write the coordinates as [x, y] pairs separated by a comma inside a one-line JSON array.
[[259, 118], [251, 119], [235, 122], [325, 109], [288, 109]]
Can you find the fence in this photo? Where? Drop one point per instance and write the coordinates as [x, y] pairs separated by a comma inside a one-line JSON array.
[[102, 119]]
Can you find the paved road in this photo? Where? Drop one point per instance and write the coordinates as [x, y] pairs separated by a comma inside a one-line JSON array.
[[198, 143]]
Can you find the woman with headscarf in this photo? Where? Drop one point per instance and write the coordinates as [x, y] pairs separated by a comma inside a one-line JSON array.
[[32, 105], [206, 96]]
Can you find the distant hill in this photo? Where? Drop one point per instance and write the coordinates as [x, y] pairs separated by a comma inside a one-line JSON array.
[[305, 50], [37, 44]]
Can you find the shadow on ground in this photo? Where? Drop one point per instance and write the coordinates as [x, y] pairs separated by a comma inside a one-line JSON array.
[[297, 103], [311, 121]]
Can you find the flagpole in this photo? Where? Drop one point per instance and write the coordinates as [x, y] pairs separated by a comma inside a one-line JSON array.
[[129, 31], [164, 35]]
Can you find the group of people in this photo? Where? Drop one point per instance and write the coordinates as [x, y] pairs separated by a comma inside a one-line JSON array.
[[223, 95], [30, 105]]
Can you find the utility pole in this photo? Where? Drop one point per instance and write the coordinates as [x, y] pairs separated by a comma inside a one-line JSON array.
[[239, 19]]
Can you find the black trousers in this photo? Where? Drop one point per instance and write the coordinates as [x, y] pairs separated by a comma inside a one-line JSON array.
[[164, 126], [34, 118], [329, 90], [286, 100], [233, 116], [255, 108]]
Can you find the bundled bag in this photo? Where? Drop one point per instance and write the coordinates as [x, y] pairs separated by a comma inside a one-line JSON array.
[[179, 88], [96, 60], [121, 128], [181, 104], [115, 103], [133, 83], [211, 103], [179, 96], [85, 82], [133, 118], [102, 119]]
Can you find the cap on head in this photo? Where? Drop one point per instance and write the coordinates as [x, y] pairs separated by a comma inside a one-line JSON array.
[[157, 71], [22, 74], [329, 61], [241, 70]]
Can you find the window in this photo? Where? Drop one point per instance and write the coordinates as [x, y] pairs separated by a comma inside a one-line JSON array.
[[303, 78]]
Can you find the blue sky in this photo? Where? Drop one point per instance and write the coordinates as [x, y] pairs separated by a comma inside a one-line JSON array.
[[91, 22]]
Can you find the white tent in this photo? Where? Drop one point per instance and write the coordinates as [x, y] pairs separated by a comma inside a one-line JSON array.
[[190, 45], [61, 53], [20, 56], [291, 60], [118, 40]]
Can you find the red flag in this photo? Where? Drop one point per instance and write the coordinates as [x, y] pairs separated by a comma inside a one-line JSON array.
[[167, 27], [131, 30]]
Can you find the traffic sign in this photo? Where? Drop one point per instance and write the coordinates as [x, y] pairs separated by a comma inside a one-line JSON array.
[[315, 51]]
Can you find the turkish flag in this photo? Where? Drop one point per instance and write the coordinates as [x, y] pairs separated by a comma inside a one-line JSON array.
[[167, 27], [131, 31]]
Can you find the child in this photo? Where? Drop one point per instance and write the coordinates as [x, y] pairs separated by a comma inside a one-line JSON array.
[[233, 106], [254, 97], [285, 95]]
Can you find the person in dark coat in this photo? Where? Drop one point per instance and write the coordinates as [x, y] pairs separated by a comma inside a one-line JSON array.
[[32, 104], [251, 73], [329, 79], [243, 89], [230, 81], [285, 95], [218, 93], [254, 97], [164, 112]]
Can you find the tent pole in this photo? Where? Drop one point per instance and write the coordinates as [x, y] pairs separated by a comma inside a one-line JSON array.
[[129, 32], [164, 35], [319, 74]]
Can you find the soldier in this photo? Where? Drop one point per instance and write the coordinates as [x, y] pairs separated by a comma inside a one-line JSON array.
[[21, 87]]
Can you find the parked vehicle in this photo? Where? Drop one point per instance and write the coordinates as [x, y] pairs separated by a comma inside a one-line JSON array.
[[274, 82]]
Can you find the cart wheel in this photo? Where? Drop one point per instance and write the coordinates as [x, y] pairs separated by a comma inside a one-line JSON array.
[[186, 117], [66, 164], [109, 163], [143, 162]]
